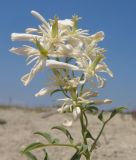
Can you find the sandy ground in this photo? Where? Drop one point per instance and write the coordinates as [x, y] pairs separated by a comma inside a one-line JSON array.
[[117, 143]]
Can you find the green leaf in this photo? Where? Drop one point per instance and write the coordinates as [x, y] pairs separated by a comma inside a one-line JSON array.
[[82, 86], [91, 108], [30, 156], [76, 156], [117, 110], [45, 155], [100, 116], [82, 78], [55, 91], [64, 130], [33, 146], [89, 135], [45, 135], [84, 148]]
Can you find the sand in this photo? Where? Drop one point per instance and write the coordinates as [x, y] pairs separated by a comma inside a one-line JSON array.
[[18, 125]]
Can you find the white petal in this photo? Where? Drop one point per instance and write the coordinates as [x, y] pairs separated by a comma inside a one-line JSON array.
[[31, 30], [65, 107], [40, 17], [100, 102], [26, 79], [56, 64], [43, 92], [107, 101], [23, 37], [67, 123], [109, 72], [103, 68], [60, 110], [66, 22], [99, 36], [25, 50], [37, 68], [101, 81], [63, 99], [32, 60], [89, 94]]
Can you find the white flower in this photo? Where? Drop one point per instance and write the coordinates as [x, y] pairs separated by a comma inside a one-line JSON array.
[[54, 44], [91, 68], [54, 35], [32, 54], [86, 98], [67, 105]]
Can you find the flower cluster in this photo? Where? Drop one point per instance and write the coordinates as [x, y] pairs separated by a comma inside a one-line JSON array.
[[74, 57]]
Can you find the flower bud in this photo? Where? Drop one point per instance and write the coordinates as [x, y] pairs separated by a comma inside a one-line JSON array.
[[76, 113]]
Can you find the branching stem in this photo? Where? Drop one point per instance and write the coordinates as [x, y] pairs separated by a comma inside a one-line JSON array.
[[60, 145], [97, 138]]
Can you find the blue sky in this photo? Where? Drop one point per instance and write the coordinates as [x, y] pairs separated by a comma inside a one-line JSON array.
[[117, 18]]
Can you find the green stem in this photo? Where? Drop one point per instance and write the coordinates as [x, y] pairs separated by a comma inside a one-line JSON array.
[[60, 145], [83, 129], [96, 140], [86, 120]]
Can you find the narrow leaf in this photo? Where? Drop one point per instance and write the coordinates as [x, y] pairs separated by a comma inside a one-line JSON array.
[[82, 86], [64, 130], [76, 156], [33, 146], [100, 116], [91, 108], [30, 156], [45, 135], [89, 135], [55, 91], [117, 110], [45, 155]]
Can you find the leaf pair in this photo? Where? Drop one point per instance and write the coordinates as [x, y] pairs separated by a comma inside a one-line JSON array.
[[33, 146], [113, 113], [48, 137], [117, 110], [66, 132]]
